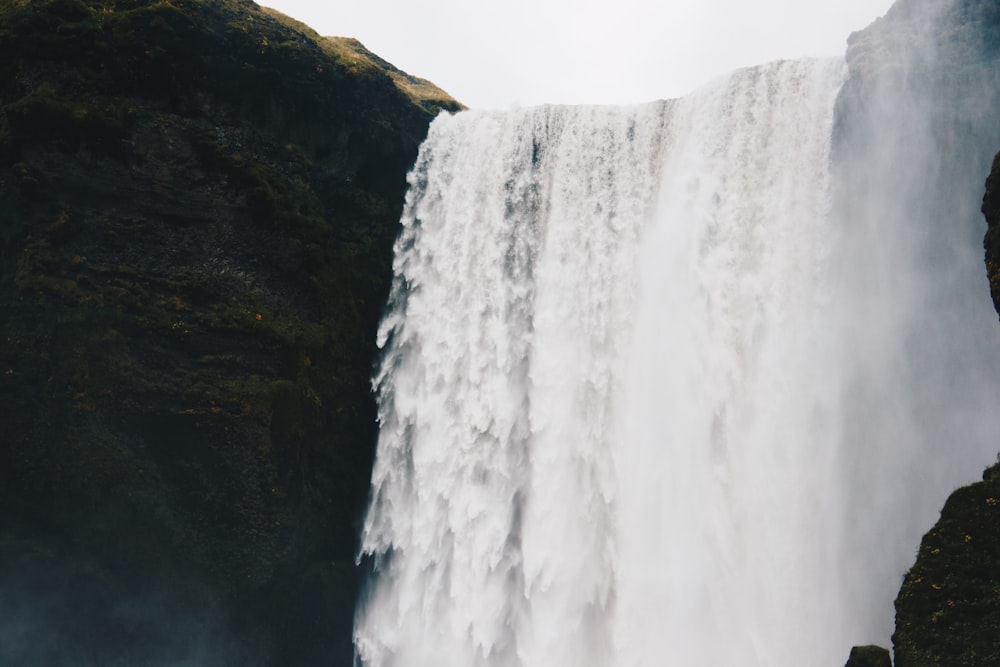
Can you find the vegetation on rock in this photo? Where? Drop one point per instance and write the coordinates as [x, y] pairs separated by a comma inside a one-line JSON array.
[[948, 609], [198, 201]]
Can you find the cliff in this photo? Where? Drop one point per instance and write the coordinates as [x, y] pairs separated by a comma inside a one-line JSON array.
[[948, 607], [991, 242], [197, 206]]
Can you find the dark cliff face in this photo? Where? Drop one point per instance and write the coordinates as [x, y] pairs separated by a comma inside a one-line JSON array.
[[991, 242], [197, 206]]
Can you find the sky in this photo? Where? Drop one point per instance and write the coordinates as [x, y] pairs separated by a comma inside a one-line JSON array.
[[527, 52]]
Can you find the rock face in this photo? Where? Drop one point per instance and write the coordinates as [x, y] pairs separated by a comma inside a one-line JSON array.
[[991, 242], [948, 609], [869, 656], [197, 206]]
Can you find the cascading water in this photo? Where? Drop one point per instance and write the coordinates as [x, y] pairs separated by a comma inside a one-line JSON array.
[[612, 399]]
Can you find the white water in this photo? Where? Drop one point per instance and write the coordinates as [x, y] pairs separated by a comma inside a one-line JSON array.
[[612, 397]]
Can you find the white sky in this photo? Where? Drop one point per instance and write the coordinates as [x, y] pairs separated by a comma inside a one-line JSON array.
[[526, 52]]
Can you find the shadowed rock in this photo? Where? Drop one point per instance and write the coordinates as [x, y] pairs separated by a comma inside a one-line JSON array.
[[869, 656], [198, 201]]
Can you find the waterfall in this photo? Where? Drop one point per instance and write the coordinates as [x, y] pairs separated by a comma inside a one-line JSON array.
[[615, 397]]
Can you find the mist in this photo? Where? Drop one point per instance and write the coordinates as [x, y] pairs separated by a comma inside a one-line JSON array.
[[918, 335], [59, 608]]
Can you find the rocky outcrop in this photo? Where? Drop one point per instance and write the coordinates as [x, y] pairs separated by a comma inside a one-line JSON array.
[[991, 242], [197, 206], [869, 656], [948, 609]]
